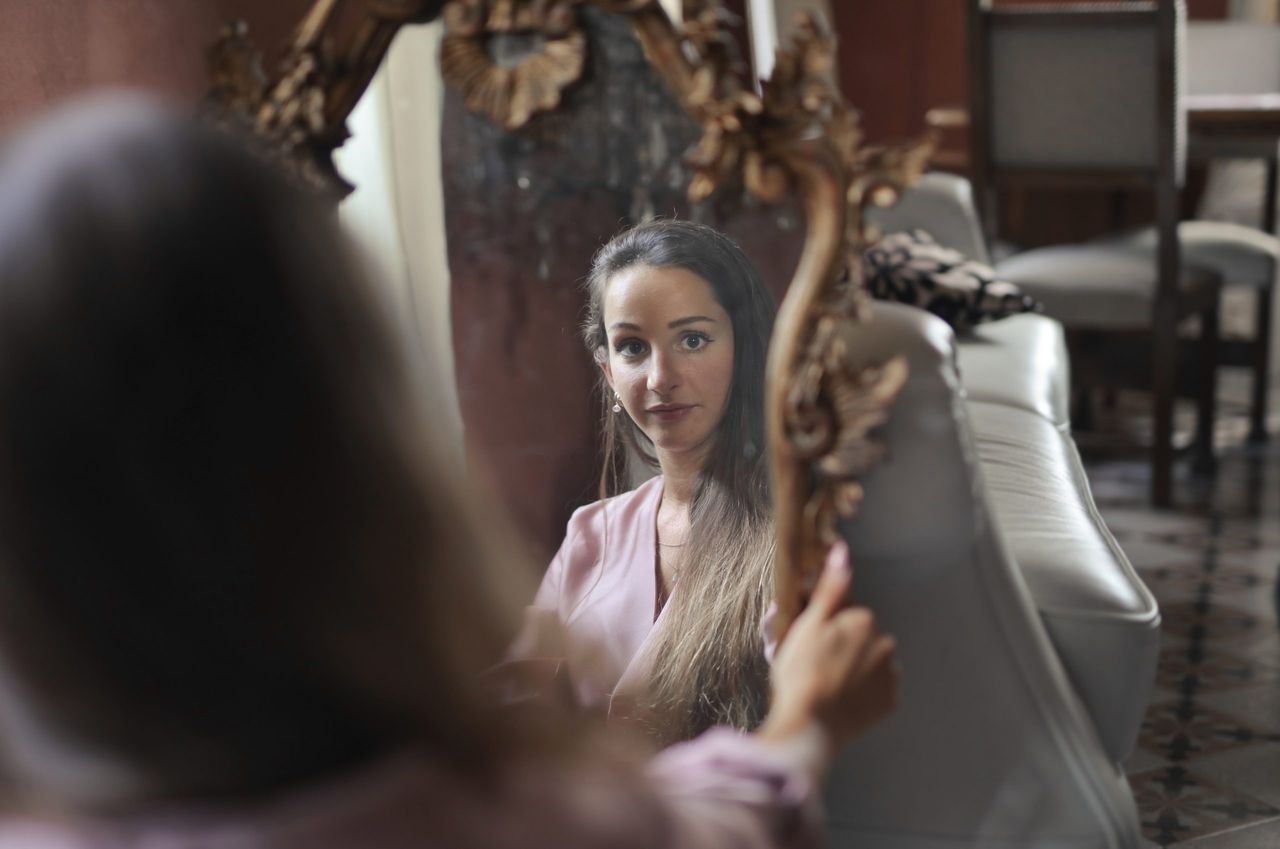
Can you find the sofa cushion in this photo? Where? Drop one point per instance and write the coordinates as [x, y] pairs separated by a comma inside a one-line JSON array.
[[1241, 255], [1102, 286], [1102, 619], [911, 268], [1022, 362]]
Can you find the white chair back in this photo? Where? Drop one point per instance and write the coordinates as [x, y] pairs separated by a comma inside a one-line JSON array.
[[1078, 87], [1233, 57]]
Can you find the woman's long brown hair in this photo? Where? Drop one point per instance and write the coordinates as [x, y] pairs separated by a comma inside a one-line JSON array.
[[231, 554], [708, 661]]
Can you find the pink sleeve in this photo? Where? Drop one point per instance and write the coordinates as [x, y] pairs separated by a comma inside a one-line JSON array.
[[567, 579], [548, 595], [536, 667], [542, 634], [727, 790]]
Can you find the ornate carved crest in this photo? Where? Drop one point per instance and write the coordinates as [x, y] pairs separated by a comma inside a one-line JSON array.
[[511, 59]]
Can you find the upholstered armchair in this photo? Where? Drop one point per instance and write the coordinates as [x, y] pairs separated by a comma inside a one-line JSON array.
[[1088, 94], [1228, 59]]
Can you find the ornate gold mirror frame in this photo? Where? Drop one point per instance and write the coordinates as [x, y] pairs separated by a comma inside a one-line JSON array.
[[797, 134]]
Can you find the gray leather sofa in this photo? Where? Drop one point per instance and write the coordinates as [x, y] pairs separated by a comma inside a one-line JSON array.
[[1028, 643]]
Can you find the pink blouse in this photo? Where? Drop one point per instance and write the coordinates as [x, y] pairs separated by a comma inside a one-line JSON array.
[[721, 791], [595, 610], [594, 613]]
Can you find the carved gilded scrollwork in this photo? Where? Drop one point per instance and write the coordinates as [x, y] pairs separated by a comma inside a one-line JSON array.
[[302, 110], [237, 83], [512, 58]]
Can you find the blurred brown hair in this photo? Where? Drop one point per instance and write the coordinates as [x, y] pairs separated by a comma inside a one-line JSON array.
[[230, 552]]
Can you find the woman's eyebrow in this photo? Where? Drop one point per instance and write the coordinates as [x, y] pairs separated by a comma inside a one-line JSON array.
[[679, 322], [691, 319]]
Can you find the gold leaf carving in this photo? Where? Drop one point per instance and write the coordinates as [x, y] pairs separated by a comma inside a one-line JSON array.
[[237, 81], [511, 95], [300, 112]]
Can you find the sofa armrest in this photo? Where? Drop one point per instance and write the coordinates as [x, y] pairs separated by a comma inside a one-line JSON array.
[[990, 728]]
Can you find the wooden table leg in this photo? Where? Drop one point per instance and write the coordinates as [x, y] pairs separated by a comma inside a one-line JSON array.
[[1262, 320], [1203, 461]]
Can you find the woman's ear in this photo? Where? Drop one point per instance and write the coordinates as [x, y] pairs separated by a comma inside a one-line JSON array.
[[602, 360]]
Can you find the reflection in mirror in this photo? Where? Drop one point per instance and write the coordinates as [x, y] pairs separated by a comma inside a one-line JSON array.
[[551, 148], [605, 149], [674, 576]]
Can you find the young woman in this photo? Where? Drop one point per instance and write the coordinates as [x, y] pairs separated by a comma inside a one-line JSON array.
[[660, 591], [242, 602]]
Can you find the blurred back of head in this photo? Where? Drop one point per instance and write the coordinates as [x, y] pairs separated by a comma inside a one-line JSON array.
[[228, 556]]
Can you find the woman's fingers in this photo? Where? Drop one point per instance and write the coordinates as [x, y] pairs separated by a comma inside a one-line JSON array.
[[884, 671], [834, 668], [857, 628], [882, 651], [832, 588]]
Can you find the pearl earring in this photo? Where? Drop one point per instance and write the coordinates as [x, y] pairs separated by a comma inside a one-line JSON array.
[[617, 407]]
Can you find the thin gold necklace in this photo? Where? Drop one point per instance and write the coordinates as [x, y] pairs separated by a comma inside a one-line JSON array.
[[673, 544]]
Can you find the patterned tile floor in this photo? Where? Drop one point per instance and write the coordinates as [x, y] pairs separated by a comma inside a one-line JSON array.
[[1206, 772]]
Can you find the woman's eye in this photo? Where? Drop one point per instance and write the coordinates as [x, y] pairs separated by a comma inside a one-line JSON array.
[[694, 341], [630, 348]]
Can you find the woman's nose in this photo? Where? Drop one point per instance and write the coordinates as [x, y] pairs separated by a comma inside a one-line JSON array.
[[662, 374]]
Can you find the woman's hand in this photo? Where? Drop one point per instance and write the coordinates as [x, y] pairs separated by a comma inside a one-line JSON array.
[[835, 675]]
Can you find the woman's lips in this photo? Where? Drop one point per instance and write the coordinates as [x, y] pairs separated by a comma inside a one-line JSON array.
[[669, 412]]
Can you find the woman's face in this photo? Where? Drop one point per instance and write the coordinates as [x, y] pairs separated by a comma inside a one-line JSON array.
[[670, 354]]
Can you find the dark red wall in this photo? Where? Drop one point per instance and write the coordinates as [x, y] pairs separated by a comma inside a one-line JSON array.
[[53, 49]]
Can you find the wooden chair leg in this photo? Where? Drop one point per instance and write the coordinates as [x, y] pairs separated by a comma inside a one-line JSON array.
[[1261, 365], [1262, 319], [1203, 461], [1082, 409], [1164, 353]]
